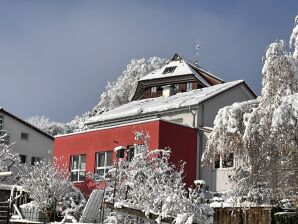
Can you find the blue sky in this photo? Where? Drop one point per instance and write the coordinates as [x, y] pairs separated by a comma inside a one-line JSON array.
[[57, 56]]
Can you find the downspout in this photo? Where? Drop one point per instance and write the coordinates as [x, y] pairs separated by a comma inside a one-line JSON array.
[[193, 116], [201, 140]]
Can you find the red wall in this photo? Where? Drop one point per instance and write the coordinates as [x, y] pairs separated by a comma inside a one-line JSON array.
[[182, 141]]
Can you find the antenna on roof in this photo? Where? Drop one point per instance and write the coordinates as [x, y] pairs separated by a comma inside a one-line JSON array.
[[197, 49]]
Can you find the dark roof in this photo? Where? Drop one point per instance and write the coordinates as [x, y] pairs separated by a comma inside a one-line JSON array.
[[26, 123]]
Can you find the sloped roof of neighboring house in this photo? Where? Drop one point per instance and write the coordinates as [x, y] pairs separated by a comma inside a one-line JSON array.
[[163, 104], [26, 123]]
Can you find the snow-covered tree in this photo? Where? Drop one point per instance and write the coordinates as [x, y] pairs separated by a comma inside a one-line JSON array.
[[9, 160], [121, 91], [117, 93], [51, 127], [262, 133], [47, 183], [149, 182]]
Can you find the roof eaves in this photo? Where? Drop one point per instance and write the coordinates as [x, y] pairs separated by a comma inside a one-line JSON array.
[[157, 113]]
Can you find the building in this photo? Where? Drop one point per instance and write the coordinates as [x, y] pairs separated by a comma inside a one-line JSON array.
[[93, 150], [179, 75], [29, 142], [179, 95]]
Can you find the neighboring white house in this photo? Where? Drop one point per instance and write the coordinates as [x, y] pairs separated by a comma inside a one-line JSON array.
[[29, 142], [195, 107]]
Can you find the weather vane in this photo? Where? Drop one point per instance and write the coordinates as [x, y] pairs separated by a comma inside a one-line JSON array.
[[197, 48]]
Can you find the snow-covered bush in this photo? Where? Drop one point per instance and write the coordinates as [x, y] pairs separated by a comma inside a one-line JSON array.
[[47, 183], [71, 206], [263, 133], [117, 93], [150, 183]]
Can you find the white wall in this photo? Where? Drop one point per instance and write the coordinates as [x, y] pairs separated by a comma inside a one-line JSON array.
[[217, 179], [37, 145]]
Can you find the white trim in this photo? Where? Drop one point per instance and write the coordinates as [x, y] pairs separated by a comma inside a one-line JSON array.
[[105, 168], [78, 170], [122, 125], [109, 127]]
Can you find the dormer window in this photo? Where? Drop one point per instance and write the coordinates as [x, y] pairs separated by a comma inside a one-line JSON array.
[[153, 89], [188, 86], [169, 70]]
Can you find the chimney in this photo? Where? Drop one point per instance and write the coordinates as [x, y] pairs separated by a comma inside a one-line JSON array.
[[167, 91]]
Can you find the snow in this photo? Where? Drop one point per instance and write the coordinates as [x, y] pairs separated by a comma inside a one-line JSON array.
[[287, 112], [4, 174], [119, 148], [161, 104], [245, 204], [196, 182], [182, 68]]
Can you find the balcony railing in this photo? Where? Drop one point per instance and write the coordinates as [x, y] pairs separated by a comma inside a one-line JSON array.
[[152, 95]]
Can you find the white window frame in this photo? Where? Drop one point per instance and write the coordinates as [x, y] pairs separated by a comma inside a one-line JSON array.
[[188, 86], [153, 89], [78, 169], [221, 160], [105, 168]]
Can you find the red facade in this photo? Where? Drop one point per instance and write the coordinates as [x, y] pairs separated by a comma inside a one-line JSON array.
[[182, 141]]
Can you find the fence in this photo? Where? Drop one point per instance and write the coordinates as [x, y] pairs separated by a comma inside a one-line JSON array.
[[237, 215]]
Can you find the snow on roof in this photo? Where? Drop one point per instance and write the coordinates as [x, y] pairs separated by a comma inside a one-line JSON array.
[[181, 68], [119, 148], [161, 104]]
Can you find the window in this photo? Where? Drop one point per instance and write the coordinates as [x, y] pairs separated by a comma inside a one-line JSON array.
[[77, 169], [176, 87], [177, 120], [104, 162], [35, 159], [130, 153], [1, 122], [188, 86], [228, 161], [23, 158], [217, 161], [153, 89], [5, 137], [134, 150], [169, 70], [24, 135]]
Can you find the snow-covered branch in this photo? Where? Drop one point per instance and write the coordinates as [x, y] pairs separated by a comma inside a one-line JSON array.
[[263, 132]]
